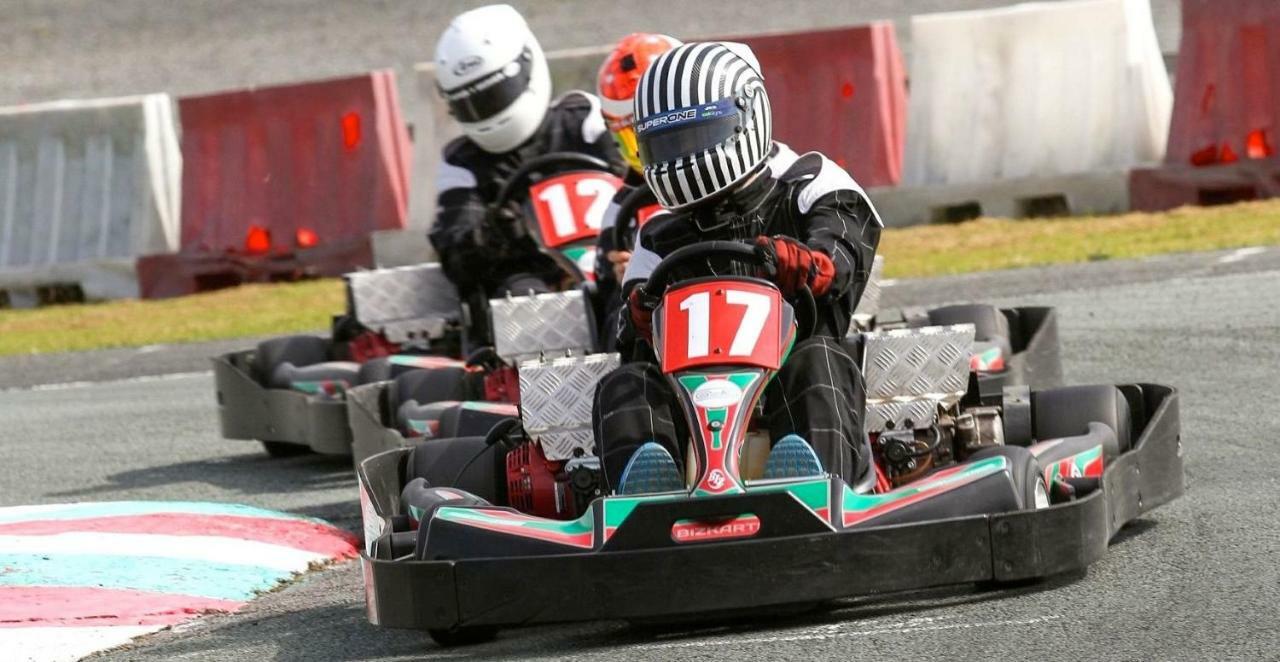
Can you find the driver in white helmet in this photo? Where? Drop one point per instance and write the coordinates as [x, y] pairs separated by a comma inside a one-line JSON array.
[[704, 131], [491, 72]]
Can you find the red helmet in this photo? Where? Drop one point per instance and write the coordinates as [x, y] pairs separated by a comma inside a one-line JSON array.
[[617, 81]]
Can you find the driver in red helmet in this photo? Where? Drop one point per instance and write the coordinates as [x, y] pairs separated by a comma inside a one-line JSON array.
[[616, 87]]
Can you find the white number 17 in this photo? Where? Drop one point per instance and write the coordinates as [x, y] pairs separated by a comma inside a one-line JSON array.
[[744, 340]]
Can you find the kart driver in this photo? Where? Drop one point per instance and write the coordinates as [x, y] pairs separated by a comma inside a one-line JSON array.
[[616, 86], [723, 178], [492, 74]]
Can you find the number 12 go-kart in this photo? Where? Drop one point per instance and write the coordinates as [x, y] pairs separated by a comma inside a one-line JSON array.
[[969, 487], [290, 393]]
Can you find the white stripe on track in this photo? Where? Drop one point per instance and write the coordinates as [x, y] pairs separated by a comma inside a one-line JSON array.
[[63, 386], [1240, 254], [131, 546], [56, 644]]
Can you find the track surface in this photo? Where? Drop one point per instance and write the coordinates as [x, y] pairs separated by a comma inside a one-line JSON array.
[[1195, 580]]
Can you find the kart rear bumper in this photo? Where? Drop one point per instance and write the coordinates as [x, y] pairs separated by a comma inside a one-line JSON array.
[[248, 410], [759, 573]]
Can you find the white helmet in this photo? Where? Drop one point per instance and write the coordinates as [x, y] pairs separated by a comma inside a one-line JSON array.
[[492, 73], [703, 122]]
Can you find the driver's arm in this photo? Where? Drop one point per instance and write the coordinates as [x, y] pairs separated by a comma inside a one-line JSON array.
[[838, 219], [460, 214]]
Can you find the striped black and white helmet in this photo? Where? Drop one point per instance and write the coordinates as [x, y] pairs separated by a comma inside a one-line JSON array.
[[703, 122]]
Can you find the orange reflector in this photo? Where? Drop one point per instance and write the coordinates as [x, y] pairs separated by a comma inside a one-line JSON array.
[[306, 237], [1256, 145], [1228, 155], [846, 90], [257, 240], [351, 130]]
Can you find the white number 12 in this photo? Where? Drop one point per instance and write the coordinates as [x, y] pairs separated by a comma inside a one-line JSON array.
[[744, 341]]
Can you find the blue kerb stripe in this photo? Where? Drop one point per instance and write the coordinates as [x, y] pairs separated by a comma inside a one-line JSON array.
[[224, 581], [126, 508]]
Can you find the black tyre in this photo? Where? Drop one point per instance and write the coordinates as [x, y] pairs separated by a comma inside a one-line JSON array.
[[298, 350], [1067, 412], [284, 449], [1028, 479], [433, 385], [375, 370], [464, 636], [465, 463]]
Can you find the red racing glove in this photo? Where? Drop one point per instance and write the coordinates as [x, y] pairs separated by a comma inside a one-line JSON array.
[[640, 305], [795, 265]]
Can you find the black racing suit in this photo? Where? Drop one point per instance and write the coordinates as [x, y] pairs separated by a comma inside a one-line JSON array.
[[819, 392], [479, 255]]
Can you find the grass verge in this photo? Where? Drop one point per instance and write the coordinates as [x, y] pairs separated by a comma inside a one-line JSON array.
[[980, 245]]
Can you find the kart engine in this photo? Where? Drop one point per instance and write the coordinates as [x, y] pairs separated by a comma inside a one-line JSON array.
[[559, 489], [906, 453]]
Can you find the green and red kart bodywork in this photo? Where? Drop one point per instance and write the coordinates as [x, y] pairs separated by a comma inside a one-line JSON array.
[[1047, 505], [409, 318]]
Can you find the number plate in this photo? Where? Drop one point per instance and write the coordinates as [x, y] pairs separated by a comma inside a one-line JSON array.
[[570, 207], [726, 322]]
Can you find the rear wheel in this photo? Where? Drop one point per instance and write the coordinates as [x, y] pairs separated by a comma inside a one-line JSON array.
[[1028, 479], [464, 636], [284, 449]]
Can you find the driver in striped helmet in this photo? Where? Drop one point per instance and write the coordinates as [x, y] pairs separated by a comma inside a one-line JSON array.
[[704, 131]]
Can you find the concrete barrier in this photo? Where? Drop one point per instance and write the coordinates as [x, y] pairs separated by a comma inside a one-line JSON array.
[[85, 187], [1035, 90]]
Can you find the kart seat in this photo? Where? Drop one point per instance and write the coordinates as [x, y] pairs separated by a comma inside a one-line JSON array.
[[315, 378]]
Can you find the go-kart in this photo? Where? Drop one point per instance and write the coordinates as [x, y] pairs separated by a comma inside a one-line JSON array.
[[290, 393], [968, 487]]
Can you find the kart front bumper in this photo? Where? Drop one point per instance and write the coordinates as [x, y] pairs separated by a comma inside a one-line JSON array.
[[762, 572]]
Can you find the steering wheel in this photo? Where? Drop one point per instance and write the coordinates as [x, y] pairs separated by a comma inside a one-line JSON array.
[[519, 179], [661, 278], [628, 218]]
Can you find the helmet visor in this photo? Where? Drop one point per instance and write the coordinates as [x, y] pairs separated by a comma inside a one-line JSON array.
[[686, 131], [481, 99]]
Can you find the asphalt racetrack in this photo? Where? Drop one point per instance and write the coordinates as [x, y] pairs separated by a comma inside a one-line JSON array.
[[1196, 579]]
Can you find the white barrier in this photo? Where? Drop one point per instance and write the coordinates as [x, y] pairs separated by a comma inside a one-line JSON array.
[[85, 188], [1035, 90]]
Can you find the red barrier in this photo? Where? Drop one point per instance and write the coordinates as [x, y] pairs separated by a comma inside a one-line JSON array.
[[285, 182], [842, 92], [1226, 111], [180, 274], [1227, 95], [270, 170]]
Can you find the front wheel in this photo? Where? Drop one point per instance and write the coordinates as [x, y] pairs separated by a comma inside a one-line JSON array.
[[284, 449], [1024, 469], [464, 636]]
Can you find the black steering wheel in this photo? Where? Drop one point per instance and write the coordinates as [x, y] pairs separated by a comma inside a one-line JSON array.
[[628, 216], [663, 274], [519, 179]]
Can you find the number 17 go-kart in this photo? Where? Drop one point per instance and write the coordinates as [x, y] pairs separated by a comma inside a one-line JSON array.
[[969, 487], [289, 393]]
